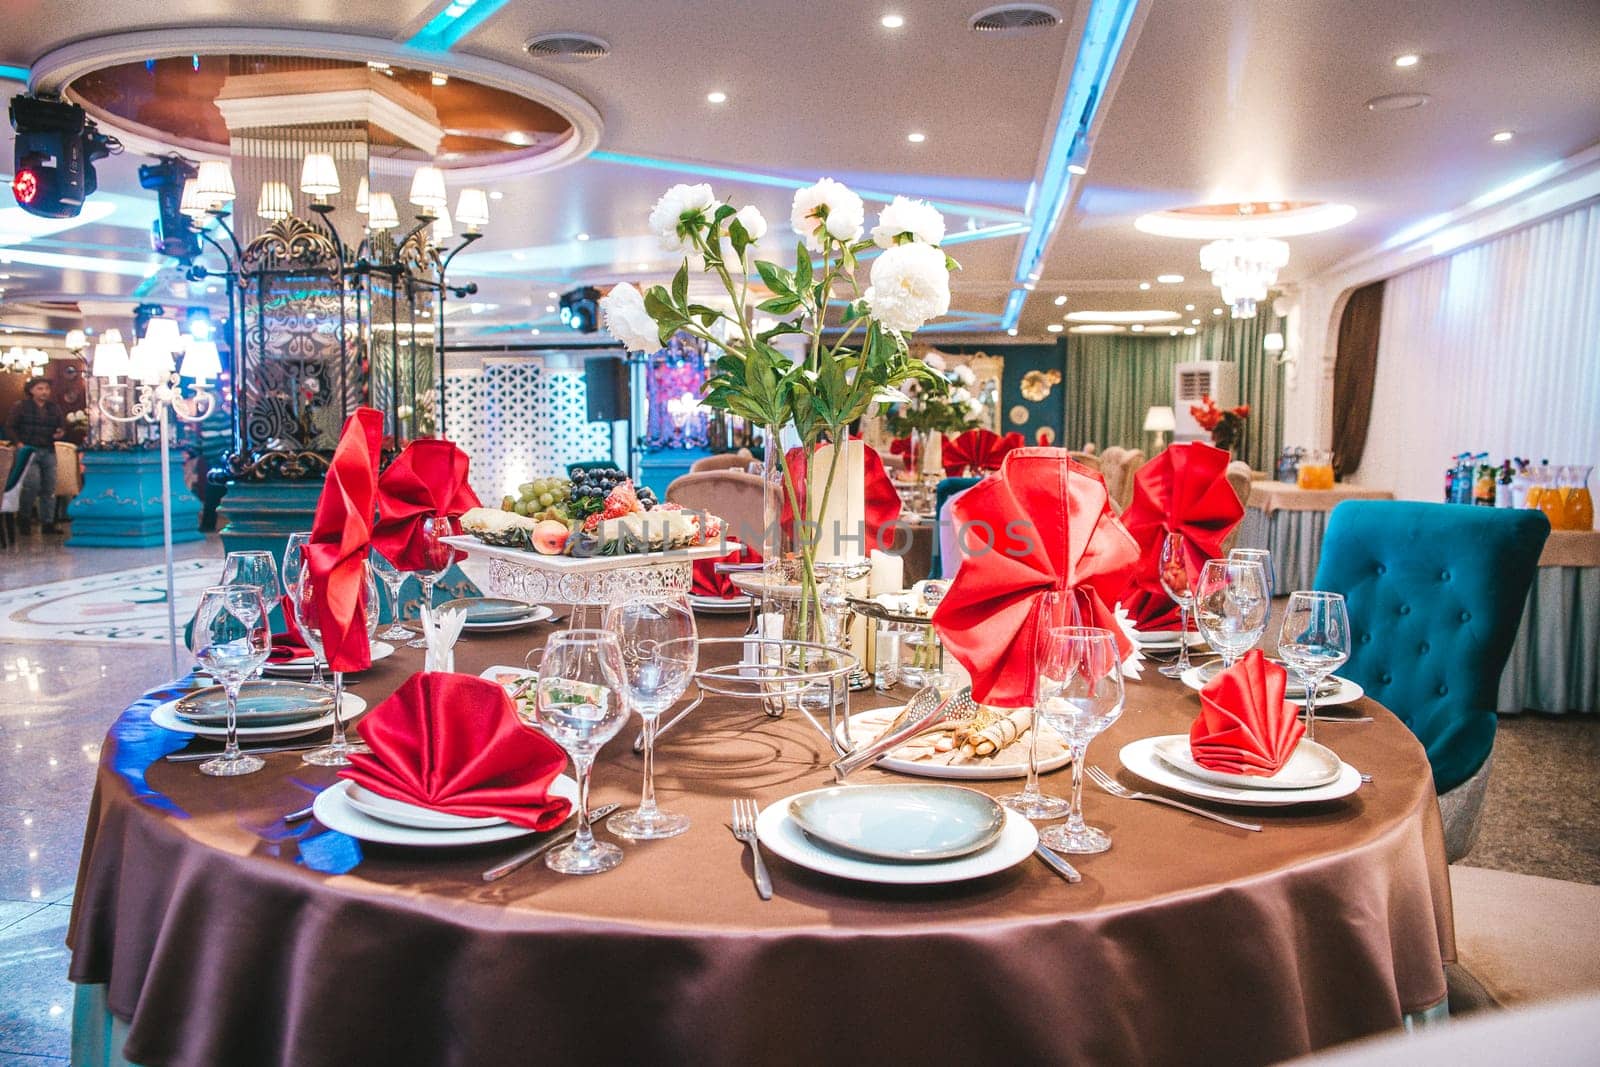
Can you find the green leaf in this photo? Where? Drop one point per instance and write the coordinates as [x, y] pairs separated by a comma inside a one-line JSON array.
[[680, 286], [725, 211], [740, 238], [779, 305], [802, 268]]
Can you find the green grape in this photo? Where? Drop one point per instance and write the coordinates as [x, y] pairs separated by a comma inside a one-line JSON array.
[[525, 488], [547, 499], [521, 507], [507, 503]]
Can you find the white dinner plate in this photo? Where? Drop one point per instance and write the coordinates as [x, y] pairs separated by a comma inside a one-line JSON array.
[[400, 813], [506, 676], [916, 822], [302, 667], [783, 837], [1307, 767], [1345, 691], [332, 809], [535, 614], [716, 605], [165, 717], [866, 725], [1140, 758], [1156, 640]]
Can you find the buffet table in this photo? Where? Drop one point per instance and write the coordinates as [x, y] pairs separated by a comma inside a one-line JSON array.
[[217, 934], [1555, 662], [1290, 521]]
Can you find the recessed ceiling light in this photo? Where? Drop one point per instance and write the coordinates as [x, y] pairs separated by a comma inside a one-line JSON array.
[[1144, 285], [1169, 279], [583, 237], [1144, 315], [519, 255], [549, 309], [1172, 333], [497, 195], [1194, 322], [1407, 60], [553, 295], [534, 331], [717, 96], [916, 138], [1216, 311], [1029, 286], [1062, 299], [892, 22], [1502, 136], [1188, 331], [1055, 327], [642, 266], [439, 78], [1077, 168], [1011, 332], [5, 277], [1137, 327], [1188, 307]]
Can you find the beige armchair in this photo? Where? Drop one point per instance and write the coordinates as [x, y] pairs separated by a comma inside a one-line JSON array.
[[1239, 478], [724, 462], [1088, 459], [733, 495], [1117, 467]]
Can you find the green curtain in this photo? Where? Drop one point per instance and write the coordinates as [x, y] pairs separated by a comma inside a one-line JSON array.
[[1113, 379]]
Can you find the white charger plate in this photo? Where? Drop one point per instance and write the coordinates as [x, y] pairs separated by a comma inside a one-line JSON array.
[[535, 614], [783, 836], [1307, 767], [1156, 640], [333, 809], [1140, 758], [166, 717], [1345, 691], [302, 668], [866, 725], [716, 605], [400, 813]]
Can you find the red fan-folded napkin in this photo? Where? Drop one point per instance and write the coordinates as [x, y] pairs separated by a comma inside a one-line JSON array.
[[1244, 726], [882, 501], [453, 743], [341, 535], [1042, 524], [428, 480], [291, 643], [976, 450], [1184, 490], [709, 582]]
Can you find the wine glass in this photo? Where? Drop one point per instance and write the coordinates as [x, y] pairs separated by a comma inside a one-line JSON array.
[[580, 703], [1055, 610], [1263, 557], [1080, 694], [439, 556], [294, 562], [1179, 585], [308, 598], [231, 640], [659, 654], [1230, 605], [254, 568], [1313, 640], [393, 578]]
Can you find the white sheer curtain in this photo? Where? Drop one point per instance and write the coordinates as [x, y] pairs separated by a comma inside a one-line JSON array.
[[1494, 349]]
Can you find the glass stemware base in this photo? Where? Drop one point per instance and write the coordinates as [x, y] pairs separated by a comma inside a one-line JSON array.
[[1038, 806], [599, 856], [1083, 840], [397, 632], [1173, 670], [334, 755], [229, 767], [637, 824]]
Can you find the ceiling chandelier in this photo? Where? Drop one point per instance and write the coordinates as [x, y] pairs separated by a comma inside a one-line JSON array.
[[1244, 268], [24, 360]]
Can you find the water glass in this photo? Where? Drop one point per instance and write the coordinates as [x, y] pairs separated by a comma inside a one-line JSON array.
[[231, 640], [1080, 694], [1313, 640], [308, 597], [1056, 609], [440, 556], [1177, 578], [580, 703], [393, 578], [294, 562], [660, 650], [1230, 606]]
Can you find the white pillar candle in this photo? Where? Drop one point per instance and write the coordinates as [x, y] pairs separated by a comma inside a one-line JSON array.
[[888, 573], [840, 519], [933, 454]]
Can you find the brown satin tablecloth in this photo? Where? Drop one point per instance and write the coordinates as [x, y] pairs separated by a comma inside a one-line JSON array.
[[227, 938]]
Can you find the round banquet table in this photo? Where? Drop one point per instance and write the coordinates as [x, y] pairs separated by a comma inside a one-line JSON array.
[[217, 934]]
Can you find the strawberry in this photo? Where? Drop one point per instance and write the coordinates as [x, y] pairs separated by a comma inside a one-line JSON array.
[[621, 501], [592, 523]]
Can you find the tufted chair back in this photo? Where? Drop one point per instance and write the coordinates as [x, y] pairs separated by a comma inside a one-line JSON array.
[[1435, 593], [733, 495], [724, 461], [947, 488]]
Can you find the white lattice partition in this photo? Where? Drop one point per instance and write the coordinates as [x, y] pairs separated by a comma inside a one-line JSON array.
[[520, 419]]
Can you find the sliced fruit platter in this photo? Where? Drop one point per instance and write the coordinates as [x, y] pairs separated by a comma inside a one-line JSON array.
[[597, 513]]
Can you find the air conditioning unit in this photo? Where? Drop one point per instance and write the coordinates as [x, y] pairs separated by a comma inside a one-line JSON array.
[[1190, 381]]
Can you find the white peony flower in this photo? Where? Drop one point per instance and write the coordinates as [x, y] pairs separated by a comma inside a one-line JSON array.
[[628, 321], [959, 396], [975, 408], [910, 286], [827, 208], [964, 374], [696, 201], [935, 360], [908, 220], [754, 223]]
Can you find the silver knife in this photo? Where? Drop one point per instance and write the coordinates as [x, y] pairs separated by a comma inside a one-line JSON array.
[[1057, 864], [500, 870], [262, 750]]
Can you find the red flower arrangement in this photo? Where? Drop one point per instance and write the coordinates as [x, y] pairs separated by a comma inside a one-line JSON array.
[[1207, 414]]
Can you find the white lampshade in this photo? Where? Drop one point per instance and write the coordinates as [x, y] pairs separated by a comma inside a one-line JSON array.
[[472, 210], [1272, 343], [190, 203], [442, 230], [76, 341], [110, 357], [363, 195], [427, 189], [201, 361], [319, 176], [1160, 419], [164, 334], [149, 363], [276, 201], [214, 184], [381, 214]]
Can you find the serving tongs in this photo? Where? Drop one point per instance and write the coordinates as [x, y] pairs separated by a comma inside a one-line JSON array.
[[927, 709]]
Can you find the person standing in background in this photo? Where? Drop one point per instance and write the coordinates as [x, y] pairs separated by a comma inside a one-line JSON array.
[[36, 420]]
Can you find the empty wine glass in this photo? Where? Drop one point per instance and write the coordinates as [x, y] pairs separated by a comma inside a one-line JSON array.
[[254, 568], [231, 639], [308, 597], [392, 578], [659, 653], [1263, 557], [1080, 694], [440, 556], [579, 703], [1177, 579], [1055, 610], [294, 562], [1230, 606], [1313, 640]]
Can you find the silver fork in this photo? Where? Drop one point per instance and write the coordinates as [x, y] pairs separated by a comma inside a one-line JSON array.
[[744, 828], [1117, 789]]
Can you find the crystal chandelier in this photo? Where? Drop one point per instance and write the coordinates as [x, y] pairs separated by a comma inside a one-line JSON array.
[[1244, 269]]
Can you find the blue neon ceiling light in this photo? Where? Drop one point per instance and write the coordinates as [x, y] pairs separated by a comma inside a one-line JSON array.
[[458, 19], [1104, 31], [16, 74]]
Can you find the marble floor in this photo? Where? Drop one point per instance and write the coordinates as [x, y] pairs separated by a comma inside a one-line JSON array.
[[57, 700]]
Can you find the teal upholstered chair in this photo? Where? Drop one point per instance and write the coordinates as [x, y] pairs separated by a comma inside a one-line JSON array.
[[1435, 593], [947, 488]]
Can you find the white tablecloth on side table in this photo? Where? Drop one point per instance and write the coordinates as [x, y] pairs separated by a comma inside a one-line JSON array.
[[1289, 522]]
